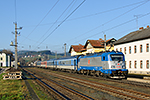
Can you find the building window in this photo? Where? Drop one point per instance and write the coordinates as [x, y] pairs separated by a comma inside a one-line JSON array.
[[147, 64], [135, 50], [135, 64], [1, 58], [141, 49], [129, 64], [1, 65], [120, 49], [141, 64], [125, 50], [129, 49], [147, 47]]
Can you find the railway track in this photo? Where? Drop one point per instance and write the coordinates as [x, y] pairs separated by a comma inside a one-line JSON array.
[[45, 83], [123, 81], [115, 91]]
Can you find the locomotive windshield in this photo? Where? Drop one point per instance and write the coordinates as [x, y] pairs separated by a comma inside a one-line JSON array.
[[116, 57]]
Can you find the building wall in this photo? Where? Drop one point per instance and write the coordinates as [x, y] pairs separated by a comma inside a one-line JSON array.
[[5, 60], [140, 59], [73, 53], [90, 49]]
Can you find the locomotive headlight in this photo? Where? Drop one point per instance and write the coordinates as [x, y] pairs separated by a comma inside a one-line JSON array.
[[123, 67]]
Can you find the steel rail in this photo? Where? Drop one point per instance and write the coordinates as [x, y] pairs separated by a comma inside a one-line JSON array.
[[94, 84], [85, 97], [62, 96]]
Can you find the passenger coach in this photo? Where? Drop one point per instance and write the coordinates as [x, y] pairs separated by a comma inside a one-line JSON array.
[[108, 64]]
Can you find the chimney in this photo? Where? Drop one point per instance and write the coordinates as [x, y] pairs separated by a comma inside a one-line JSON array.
[[147, 26], [141, 28], [80, 44], [100, 39]]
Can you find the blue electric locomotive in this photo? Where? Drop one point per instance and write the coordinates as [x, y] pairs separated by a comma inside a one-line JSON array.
[[108, 64]]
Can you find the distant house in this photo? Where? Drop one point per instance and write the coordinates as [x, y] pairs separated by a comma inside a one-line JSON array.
[[135, 46], [92, 46], [76, 49], [5, 60]]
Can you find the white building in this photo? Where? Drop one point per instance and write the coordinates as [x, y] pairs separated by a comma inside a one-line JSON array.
[[135, 47], [5, 60]]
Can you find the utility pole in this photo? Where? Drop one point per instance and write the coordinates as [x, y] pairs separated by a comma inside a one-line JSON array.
[[16, 33], [65, 49], [137, 16], [16, 59], [105, 42], [56, 54]]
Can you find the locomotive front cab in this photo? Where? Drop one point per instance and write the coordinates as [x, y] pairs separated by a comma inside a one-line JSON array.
[[117, 61], [117, 65]]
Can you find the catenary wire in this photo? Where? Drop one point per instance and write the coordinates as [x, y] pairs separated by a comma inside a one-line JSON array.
[[62, 21], [41, 20], [109, 20], [66, 20], [15, 11], [55, 21], [94, 13], [114, 27]]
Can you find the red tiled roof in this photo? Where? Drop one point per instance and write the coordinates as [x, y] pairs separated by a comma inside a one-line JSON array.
[[76, 48], [96, 43]]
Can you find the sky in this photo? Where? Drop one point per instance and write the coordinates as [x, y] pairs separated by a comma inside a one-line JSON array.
[[49, 24]]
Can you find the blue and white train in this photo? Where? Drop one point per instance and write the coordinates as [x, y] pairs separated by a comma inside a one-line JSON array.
[[107, 64]]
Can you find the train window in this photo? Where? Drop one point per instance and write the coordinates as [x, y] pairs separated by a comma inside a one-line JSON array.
[[68, 62], [75, 62], [103, 57], [59, 62], [117, 57]]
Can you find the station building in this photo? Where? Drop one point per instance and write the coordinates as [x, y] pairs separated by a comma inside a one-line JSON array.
[[135, 47], [5, 60]]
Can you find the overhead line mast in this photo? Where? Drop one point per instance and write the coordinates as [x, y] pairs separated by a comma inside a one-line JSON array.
[[16, 55]]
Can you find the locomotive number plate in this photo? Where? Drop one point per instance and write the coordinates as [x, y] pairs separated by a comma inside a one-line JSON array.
[[118, 66]]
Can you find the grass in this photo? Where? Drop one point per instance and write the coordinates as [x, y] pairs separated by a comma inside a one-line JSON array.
[[13, 89], [5, 67], [38, 90]]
